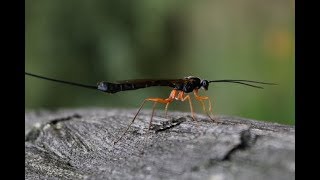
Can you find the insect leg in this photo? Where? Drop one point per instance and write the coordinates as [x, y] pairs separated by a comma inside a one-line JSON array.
[[155, 100], [203, 106], [172, 95], [181, 98], [158, 100], [153, 107], [166, 101], [166, 110], [130, 123], [201, 99]]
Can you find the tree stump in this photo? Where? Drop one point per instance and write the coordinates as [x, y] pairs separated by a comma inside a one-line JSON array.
[[78, 144]]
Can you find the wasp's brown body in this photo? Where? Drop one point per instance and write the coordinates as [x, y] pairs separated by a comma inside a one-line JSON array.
[[180, 88], [187, 84]]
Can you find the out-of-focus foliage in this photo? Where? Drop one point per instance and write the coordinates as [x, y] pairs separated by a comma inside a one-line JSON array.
[[90, 41]]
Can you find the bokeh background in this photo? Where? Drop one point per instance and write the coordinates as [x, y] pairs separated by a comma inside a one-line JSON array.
[[98, 40]]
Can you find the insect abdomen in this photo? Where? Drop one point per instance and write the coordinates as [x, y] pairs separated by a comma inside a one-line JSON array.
[[108, 87], [116, 87]]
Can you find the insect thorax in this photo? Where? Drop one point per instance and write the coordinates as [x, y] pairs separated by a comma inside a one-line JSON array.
[[191, 84]]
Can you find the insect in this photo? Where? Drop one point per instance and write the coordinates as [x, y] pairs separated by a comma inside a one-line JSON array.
[[180, 89]]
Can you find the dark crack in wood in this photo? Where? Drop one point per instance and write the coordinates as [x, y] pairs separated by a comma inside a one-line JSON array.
[[165, 125]]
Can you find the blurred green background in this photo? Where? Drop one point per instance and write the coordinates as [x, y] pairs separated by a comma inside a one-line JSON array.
[[98, 40]]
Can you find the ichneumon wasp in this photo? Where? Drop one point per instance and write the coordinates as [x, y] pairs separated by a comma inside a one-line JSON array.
[[180, 87]]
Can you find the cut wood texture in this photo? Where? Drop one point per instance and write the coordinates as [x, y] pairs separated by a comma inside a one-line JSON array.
[[78, 144]]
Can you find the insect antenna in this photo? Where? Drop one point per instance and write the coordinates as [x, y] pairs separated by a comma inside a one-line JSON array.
[[60, 81], [244, 82]]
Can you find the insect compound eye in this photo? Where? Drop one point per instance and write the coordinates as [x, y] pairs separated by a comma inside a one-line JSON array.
[[204, 84]]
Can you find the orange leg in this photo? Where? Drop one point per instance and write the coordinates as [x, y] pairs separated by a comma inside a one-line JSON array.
[[173, 94], [153, 107], [201, 99], [167, 101], [158, 100], [155, 100], [181, 98], [166, 110]]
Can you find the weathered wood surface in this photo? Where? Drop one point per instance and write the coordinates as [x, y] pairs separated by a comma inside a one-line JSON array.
[[77, 144]]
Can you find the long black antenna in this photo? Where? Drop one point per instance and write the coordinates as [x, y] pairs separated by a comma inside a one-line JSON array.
[[243, 82], [64, 82]]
